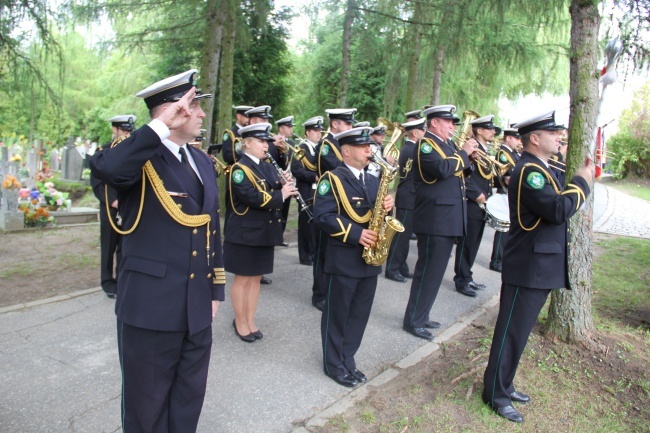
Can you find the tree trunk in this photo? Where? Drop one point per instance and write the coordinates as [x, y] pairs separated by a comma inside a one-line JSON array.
[[227, 68], [570, 317], [415, 46], [215, 17], [437, 76], [347, 42]]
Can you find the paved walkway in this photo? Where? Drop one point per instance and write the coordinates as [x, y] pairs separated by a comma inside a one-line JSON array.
[[60, 371], [618, 213]]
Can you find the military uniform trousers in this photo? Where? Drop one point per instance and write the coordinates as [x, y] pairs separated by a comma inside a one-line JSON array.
[[399, 249], [467, 249], [165, 393], [111, 253], [306, 236], [518, 311], [433, 257], [498, 245], [344, 320]]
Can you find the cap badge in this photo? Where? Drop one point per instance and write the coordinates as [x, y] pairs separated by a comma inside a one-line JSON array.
[[238, 176], [324, 187], [426, 148], [535, 180]]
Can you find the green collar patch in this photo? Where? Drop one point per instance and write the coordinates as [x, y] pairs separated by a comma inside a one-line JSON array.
[[535, 180], [426, 148], [238, 176], [325, 149], [324, 187], [503, 157], [226, 137]]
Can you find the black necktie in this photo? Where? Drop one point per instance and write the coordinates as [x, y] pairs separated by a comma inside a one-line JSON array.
[[361, 178], [186, 163]]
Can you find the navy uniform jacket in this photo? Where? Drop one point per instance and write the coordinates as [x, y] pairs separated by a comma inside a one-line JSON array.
[[438, 176], [305, 172], [480, 182], [505, 155], [228, 149], [256, 197], [405, 195], [329, 154], [342, 209], [536, 253], [166, 282]]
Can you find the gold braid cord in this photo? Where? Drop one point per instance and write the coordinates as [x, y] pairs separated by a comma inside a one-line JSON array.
[[521, 176], [434, 145], [254, 179], [341, 198], [308, 165], [489, 175]]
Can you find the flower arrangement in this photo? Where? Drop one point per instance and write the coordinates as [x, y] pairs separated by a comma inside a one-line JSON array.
[[11, 182], [52, 197], [35, 216]]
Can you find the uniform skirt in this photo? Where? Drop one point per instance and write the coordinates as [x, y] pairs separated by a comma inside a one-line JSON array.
[[247, 260]]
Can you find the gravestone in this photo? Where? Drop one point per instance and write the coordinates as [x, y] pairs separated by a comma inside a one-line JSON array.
[[71, 162], [4, 160], [32, 162], [54, 160]]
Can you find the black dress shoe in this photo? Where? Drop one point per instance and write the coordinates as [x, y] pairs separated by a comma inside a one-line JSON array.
[[406, 274], [250, 338], [395, 277], [466, 290], [519, 397], [432, 325], [359, 376], [111, 295], [285, 244], [257, 334], [414, 237], [476, 286], [307, 262], [320, 305], [495, 267], [509, 413], [419, 332], [265, 280], [345, 380]]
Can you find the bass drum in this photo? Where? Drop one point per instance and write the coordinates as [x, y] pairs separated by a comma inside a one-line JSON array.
[[497, 212]]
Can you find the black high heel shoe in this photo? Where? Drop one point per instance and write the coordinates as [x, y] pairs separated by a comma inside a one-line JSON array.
[[257, 334], [250, 338]]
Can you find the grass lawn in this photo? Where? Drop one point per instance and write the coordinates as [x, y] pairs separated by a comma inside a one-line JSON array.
[[573, 388], [639, 188]]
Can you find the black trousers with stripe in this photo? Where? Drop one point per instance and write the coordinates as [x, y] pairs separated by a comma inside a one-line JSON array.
[[518, 311], [399, 248], [497, 248], [344, 320], [164, 376], [466, 252], [433, 257]]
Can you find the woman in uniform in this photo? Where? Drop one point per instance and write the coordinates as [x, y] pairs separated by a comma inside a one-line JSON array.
[[254, 227]]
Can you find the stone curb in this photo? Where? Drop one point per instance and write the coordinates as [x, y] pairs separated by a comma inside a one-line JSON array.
[[345, 403], [51, 300]]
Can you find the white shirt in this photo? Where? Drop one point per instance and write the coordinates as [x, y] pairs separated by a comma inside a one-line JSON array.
[[163, 132], [356, 173]]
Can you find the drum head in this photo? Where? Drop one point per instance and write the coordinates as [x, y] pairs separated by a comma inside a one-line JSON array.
[[497, 206]]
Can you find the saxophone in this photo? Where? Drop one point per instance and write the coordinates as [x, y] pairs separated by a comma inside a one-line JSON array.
[[384, 225]]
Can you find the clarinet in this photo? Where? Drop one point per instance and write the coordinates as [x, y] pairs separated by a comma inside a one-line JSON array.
[[299, 199]]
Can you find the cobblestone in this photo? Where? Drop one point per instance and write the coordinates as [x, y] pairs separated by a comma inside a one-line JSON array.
[[618, 213]]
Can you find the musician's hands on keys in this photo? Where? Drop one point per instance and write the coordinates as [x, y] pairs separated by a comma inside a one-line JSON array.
[[388, 203], [178, 113], [288, 190], [368, 238], [470, 147]]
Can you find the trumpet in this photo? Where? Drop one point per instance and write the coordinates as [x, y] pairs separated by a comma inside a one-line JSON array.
[[220, 166], [301, 202], [464, 135]]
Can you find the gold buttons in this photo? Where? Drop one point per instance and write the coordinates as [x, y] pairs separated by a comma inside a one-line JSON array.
[[195, 231], [191, 276], [279, 221], [212, 254], [180, 206], [209, 275], [193, 253], [214, 232]]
